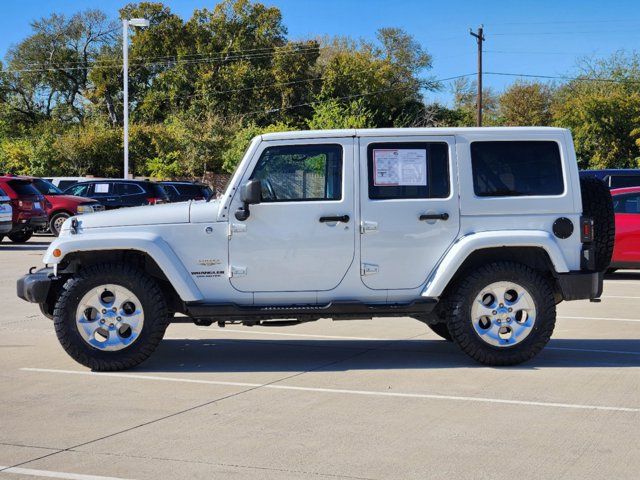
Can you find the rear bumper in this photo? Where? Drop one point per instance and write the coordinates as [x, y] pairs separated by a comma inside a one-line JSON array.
[[5, 226], [30, 223], [34, 287], [580, 285]]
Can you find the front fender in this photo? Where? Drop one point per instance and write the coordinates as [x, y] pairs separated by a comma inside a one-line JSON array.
[[145, 242], [466, 245]]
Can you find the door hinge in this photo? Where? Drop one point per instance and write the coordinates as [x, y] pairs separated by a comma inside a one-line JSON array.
[[237, 271], [368, 269], [237, 228], [368, 226]]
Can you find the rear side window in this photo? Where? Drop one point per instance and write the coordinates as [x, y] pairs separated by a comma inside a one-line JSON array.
[[627, 203], [408, 170], [23, 188], [518, 168], [128, 189], [157, 190], [2, 193], [620, 181]]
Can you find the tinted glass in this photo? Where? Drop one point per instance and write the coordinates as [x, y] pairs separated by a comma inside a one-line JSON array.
[[3, 193], [189, 190], [128, 189], [64, 184], [620, 181], [505, 169], [157, 190], [78, 189], [45, 187], [300, 172], [22, 187], [408, 170], [627, 203]]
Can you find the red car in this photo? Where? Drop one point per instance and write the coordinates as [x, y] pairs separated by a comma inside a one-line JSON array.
[[61, 206], [626, 204], [28, 208]]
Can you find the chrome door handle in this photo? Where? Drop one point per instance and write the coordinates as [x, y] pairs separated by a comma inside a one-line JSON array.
[[434, 216]]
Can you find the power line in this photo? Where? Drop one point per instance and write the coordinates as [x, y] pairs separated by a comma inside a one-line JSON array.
[[558, 77]]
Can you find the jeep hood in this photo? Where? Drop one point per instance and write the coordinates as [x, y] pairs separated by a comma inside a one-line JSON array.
[[125, 217]]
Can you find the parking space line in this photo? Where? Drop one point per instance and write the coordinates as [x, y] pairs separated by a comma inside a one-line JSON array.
[[52, 474], [371, 393], [336, 337], [590, 350], [606, 319]]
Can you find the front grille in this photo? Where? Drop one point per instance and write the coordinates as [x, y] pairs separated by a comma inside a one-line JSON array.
[[98, 208]]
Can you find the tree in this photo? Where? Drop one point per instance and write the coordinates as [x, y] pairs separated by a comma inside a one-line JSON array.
[[526, 104], [240, 142], [334, 114], [465, 101]]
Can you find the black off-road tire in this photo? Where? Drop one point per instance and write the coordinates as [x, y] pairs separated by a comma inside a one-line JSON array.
[[442, 330], [142, 285], [464, 294], [22, 236], [598, 204]]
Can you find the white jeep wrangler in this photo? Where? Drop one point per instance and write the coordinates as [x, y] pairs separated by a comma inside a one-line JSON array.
[[477, 232]]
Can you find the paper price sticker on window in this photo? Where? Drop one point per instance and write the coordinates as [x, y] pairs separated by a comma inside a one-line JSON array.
[[400, 167]]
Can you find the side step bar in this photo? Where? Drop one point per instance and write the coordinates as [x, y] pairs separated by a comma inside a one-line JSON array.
[[336, 310]]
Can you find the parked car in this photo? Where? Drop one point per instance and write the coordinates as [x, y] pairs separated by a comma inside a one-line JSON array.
[[185, 191], [28, 208], [477, 232], [121, 193], [65, 182], [626, 252], [615, 177], [5, 213], [59, 206]]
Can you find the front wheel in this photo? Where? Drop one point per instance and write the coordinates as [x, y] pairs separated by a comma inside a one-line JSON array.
[[110, 317], [502, 313], [21, 236], [55, 224]]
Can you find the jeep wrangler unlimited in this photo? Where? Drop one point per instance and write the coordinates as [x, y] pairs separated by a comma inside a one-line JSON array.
[[477, 232]]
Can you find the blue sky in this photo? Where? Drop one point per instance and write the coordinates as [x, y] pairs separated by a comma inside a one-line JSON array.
[[540, 37]]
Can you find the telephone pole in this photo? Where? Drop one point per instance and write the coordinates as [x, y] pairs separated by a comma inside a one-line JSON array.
[[479, 39]]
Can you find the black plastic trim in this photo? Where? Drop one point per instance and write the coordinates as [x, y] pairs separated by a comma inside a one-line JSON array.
[[580, 285], [34, 287]]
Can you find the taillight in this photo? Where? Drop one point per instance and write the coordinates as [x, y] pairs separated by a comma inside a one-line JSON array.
[[586, 229], [22, 204], [154, 200]]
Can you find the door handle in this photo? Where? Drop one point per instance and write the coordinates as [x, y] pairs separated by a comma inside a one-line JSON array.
[[337, 218], [434, 216]]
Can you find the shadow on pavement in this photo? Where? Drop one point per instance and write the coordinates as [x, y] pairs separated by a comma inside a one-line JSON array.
[[623, 275], [251, 355], [24, 247]]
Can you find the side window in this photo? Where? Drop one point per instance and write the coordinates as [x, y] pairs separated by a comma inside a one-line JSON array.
[[408, 170], [620, 181], [627, 203], [300, 173], [128, 189], [517, 168], [80, 190]]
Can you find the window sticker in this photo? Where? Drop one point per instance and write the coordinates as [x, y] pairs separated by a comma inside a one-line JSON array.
[[400, 167], [101, 188]]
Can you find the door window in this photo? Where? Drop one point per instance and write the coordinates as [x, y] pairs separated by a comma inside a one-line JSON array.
[[408, 170], [102, 188], [300, 173], [627, 203], [79, 190]]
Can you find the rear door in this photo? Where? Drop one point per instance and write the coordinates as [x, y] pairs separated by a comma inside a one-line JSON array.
[[104, 192], [409, 208], [627, 244]]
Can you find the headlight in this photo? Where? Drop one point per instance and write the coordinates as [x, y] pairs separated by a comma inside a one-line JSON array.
[[85, 209]]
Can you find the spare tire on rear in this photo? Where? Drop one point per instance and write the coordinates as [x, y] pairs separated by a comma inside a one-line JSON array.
[[598, 205]]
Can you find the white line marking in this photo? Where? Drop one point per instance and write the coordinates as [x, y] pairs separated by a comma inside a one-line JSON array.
[[573, 406], [50, 474], [601, 318], [621, 352], [618, 296], [229, 330]]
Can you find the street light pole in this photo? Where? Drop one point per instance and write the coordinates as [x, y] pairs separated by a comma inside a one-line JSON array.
[[136, 22]]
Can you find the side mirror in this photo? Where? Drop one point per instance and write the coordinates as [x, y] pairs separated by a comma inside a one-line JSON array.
[[251, 194]]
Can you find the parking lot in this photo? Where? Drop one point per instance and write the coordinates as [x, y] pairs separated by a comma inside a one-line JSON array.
[[362, 399]]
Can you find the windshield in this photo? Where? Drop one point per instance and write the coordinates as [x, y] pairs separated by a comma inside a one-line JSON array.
[[45, 187]]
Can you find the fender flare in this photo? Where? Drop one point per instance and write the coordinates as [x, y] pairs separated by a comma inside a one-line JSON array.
[[465, 246], [147, 243]]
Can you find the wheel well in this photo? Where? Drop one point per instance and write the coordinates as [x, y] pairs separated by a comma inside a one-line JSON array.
[[56, 212], [76, 261], [534, 257]]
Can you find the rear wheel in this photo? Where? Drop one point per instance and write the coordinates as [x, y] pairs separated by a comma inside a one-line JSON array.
[[502, 313], [21, 236], [110, 317], [55, 224]]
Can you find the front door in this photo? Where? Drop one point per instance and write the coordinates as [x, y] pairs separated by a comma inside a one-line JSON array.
[[409, 208], [301, 237]]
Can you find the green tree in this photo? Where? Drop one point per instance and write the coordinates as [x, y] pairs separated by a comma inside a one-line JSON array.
[[241, 140], [334, 114], [526, 104]]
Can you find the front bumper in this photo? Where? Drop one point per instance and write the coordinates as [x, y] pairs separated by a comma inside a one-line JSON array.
[[34, 287], [580, 285]]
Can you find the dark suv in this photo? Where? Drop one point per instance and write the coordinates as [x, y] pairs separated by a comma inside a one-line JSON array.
[[615, 177], [185, 191], [28, 208], [120, 193]]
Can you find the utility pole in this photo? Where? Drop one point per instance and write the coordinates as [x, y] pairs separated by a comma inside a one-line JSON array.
[[479, 35]]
